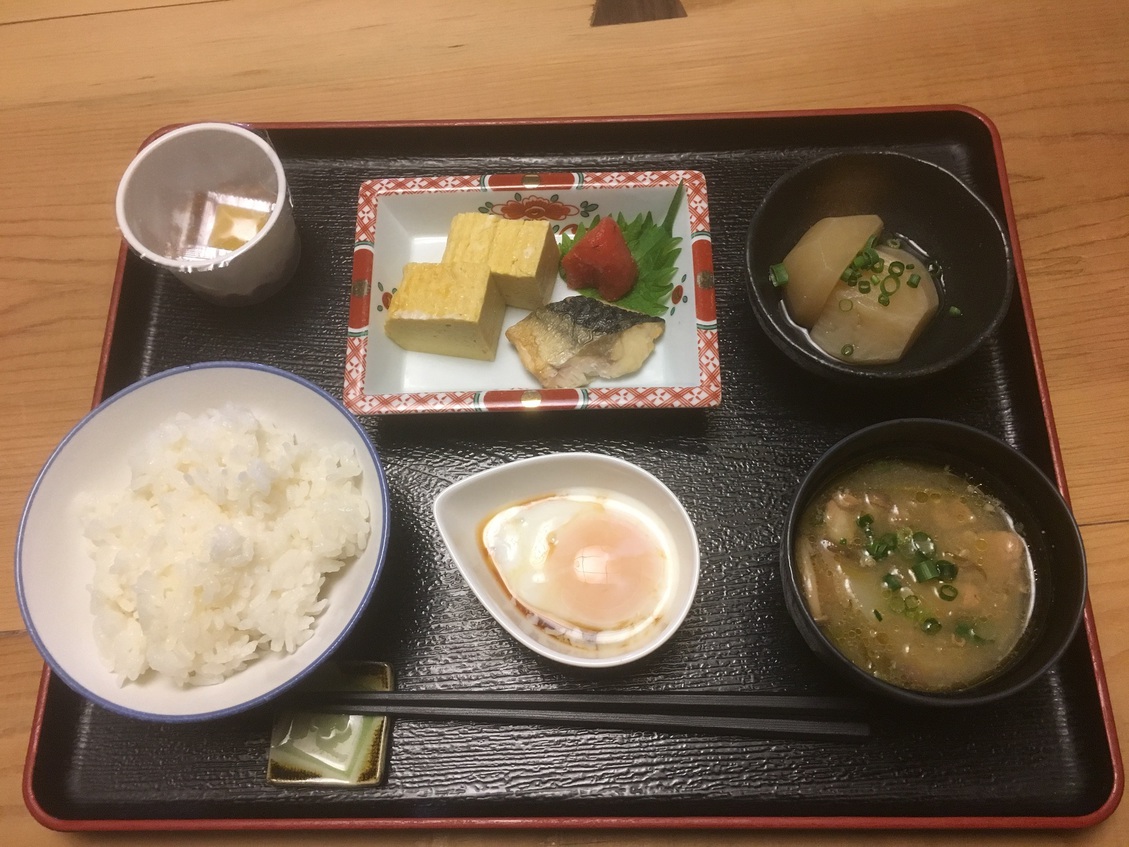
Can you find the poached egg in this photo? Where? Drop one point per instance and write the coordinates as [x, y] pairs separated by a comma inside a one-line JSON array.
[[589, 565]]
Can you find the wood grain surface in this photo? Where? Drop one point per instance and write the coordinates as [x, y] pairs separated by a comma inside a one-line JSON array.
[[83, 83]]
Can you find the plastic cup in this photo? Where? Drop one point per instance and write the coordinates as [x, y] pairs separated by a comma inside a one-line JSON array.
[[209, 203]]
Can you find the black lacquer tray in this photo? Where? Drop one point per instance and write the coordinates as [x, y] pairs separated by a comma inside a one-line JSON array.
[[1046, 757]]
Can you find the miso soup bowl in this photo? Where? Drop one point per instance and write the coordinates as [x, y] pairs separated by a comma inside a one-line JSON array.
[[1032, 500], [921, 201]]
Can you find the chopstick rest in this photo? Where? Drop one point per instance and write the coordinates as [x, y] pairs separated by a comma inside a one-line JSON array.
[[321, 745]]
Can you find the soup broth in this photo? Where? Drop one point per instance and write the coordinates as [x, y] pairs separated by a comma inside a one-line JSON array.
[[916, 574]]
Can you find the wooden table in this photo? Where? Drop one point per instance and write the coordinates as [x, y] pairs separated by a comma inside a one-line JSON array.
[[83, 82]]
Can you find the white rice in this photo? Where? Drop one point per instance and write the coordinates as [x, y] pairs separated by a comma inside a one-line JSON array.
[[218, 551]]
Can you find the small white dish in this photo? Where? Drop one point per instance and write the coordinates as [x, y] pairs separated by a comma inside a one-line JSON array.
[[54, 571], [462, 509]]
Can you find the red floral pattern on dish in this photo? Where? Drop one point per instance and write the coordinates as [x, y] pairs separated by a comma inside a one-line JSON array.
[[534, 208]]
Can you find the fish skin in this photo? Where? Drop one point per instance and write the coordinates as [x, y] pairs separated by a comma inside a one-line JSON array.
[[583, 319], [568, 342]]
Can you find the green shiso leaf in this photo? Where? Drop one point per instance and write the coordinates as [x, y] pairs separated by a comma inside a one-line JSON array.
[[655, 251]]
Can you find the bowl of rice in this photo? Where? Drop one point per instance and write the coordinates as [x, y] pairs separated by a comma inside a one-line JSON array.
[[201, 541]]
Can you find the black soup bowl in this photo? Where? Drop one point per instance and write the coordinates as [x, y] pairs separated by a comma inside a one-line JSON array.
[[924, 204], [1040, 515]]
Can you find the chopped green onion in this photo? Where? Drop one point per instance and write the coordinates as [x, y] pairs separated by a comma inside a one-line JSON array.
[[845, 276], [914, 280], [897, 283], [864, 286], [955, 312], [931, 625], [778, 274], [864, 520], [947, 569], [859, 261], [879, 266], [910, 266], [925, 570], [947, 592], [846, 304], [878, 615], [847, 350], [870, 242], [893, 242], [913, 601], [896, 268], [882, 546], [883, 299], [892, 582]]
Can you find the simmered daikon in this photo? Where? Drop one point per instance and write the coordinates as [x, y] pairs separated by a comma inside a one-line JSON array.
[[862, 300], [817, 261], [875, 319]]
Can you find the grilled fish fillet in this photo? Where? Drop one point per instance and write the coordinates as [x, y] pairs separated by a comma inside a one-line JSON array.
[[569, 342]]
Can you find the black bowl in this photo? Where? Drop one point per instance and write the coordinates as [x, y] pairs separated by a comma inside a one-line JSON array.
[[919, 200], [1031, 499]]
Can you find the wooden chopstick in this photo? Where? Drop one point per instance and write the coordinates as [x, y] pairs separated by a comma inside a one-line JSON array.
[[759, 715], [677, 701]]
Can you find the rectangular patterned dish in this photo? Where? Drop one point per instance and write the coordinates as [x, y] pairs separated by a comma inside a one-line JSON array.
[[406, 220]]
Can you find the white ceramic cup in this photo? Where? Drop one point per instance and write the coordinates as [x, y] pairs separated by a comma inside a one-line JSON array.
[[209, 202]]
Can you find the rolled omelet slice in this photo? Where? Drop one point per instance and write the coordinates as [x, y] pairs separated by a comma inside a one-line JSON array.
[[523, 261], [453, 309], [523, 256], [470, 237]]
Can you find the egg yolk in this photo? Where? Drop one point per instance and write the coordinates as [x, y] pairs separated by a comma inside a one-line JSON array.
[[603, 570]]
